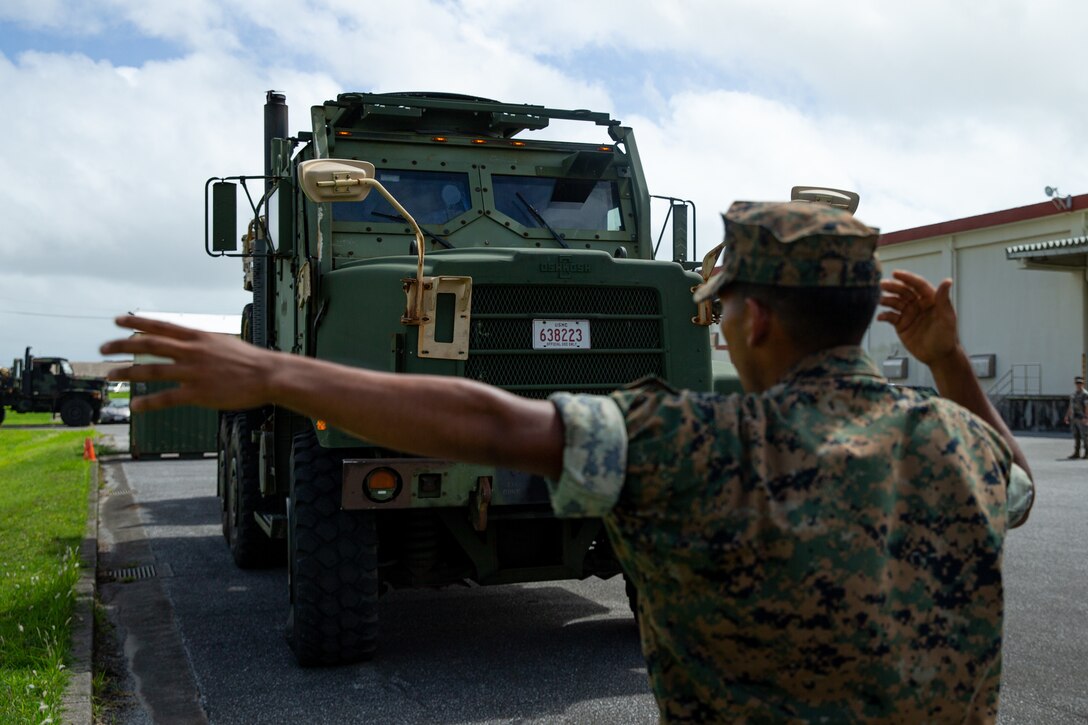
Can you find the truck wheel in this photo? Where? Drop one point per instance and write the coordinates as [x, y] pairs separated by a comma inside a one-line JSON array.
[[332, 564], [76, 413], [222, 465], [249, 545]]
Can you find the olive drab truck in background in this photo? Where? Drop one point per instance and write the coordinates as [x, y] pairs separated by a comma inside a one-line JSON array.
[[479, 252], [48, 385]]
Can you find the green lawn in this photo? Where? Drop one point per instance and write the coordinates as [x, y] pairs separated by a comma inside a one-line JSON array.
[[17, 419], [43, 513]]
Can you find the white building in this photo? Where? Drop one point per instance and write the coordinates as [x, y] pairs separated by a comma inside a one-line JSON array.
[[1019, 287]]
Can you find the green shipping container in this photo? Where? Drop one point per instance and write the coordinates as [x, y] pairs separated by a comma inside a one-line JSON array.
[[186, 430]]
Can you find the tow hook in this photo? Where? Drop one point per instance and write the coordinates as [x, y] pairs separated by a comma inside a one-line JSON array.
[[478, 503]]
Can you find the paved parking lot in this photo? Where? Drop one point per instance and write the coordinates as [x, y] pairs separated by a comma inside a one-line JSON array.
[[554, 652]]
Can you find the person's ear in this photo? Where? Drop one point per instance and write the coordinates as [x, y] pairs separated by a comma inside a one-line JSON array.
[[757, 322]]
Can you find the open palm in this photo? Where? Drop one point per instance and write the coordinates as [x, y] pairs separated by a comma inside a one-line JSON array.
[[921, 314]]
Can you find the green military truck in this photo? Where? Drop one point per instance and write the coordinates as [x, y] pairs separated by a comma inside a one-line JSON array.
[[486, 254], [48, 385]]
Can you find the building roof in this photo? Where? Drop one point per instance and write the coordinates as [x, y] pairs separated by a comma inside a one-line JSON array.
[[982, 221], [228, 324]]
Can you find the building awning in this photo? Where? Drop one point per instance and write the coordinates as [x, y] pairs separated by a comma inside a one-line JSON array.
[[1071, 253]]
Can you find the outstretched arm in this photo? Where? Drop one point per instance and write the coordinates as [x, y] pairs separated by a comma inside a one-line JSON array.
[[925, 321], [443, 417]]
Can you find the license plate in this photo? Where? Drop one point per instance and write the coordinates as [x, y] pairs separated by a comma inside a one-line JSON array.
[[560, 334]]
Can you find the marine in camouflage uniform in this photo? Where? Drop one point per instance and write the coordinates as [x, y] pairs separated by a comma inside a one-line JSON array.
[[826, 550], [822, 548], [1077, 416]]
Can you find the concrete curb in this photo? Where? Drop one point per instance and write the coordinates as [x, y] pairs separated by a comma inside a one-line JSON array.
[[76, 706]]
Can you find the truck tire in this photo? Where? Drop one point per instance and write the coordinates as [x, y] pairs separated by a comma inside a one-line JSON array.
[[332, 564], [250, 546], [222, 457], [76, 413]]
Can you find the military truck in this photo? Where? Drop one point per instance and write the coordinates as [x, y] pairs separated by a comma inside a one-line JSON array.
[[48, 385], [486, 254]]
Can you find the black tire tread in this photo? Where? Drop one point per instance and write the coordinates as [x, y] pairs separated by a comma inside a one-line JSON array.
[[334, 564], [76, 413], [249, 544]]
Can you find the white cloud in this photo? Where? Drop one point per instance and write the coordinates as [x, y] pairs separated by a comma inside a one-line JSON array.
[[930, 110]]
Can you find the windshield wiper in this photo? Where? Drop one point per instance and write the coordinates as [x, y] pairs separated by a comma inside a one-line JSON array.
[[397, 217], [545, 224]]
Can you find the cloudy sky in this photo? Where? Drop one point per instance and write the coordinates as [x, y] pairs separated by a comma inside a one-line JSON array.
[[113, 113]]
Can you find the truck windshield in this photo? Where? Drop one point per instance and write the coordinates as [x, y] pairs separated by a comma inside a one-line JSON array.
[[431, 197], [564, 203], [66, 368]]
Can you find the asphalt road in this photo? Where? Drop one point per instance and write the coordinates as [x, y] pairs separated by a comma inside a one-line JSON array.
[[205, 639]]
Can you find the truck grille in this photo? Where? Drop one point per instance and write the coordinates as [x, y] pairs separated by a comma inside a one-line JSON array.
[[625, 330]]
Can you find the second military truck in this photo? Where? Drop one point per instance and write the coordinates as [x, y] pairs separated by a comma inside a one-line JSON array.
[[49, 385], [483, 253]]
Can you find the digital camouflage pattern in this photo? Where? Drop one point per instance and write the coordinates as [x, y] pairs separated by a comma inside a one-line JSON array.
[[1078, 419], [1078, 405], [794, 244], [826, 551]]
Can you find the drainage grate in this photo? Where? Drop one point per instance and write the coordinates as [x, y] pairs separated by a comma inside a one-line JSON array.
[[120, 490], [132, 573]]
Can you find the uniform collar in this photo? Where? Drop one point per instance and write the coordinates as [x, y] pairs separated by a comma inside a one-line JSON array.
[[836, 362]]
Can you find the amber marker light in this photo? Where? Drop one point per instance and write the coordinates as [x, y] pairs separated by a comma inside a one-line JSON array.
[[321, 425], [479, 141], [605, 148], [517, 143], [439, 139], [381, 485], [343, 133]]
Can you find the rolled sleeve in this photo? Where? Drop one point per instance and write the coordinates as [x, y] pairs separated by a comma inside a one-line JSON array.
[[1019, 497], [594, 455]]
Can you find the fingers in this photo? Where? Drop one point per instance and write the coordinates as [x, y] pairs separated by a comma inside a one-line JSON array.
[[148, 373], [151, 344], [896, 302], [156, 327], [944, 292]]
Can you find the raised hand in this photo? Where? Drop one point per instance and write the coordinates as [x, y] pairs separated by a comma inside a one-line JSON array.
[[212, 370], [921, 314]]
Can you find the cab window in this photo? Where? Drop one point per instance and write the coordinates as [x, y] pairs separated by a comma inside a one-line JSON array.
[[564, 203], [431, 197]]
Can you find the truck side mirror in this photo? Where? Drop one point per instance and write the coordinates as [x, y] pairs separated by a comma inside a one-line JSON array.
[[224, 217], [336, 179]]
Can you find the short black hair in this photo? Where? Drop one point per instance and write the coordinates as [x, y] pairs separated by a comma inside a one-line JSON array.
[[817, 317]]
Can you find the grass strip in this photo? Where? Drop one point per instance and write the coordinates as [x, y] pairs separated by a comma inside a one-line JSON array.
[[43, 514], [11, 418]]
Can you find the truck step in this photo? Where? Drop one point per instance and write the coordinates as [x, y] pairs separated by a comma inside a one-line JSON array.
[[275, 525]]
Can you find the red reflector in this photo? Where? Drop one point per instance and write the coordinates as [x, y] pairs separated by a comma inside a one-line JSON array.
[[381, 480]]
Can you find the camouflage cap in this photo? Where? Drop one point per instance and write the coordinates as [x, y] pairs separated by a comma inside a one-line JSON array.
[[794, 244]]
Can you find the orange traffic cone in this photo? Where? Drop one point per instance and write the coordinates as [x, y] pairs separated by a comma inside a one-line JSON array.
[[88, 450]]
